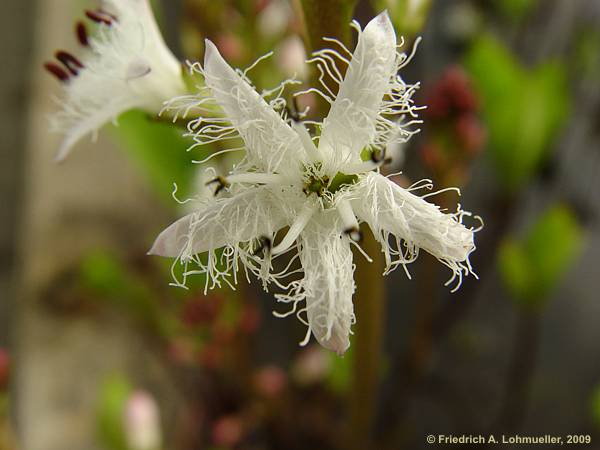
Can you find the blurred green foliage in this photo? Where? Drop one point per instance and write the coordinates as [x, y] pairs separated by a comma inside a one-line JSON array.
[[523, 108], [532, 267], [110, 414], [408, 16], [159, 149], [596, 407], [340, 376], [588, 53], [106, 276], [516, 9]]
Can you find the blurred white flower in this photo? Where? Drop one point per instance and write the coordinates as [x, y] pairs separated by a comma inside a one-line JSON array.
[[125, 65], [321, 191], [142, 422], [274, 19], [291, 57]]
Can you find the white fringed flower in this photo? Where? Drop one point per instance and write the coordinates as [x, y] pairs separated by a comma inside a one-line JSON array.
[[321, 191], [125, 65]]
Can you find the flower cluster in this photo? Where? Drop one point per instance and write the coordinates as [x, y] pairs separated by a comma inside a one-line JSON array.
[[456, 135], [318, 180]]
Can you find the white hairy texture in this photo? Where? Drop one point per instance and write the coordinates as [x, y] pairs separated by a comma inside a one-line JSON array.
[[271, 145], [284, 180], [251, 214], [390, 210], [350, 125], [328, 282], [127, 65]]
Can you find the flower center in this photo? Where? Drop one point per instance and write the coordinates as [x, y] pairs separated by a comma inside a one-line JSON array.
[[325, 185]]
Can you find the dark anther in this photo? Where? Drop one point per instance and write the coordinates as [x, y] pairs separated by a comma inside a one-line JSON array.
[[264, 244], [354, 233], [100, 17], [294, 111], [69, 61], [57, 71], [220, 182], [107, 14], [82, 35], [378, 156]]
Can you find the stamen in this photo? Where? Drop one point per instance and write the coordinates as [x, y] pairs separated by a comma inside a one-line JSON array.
[[293, 112], [264, 243], [82, 34], [307, 142], [378, 156], [255, 178], [58, 72], [295, 230], [348, 219], [221, 184], [100, 17], [354, 233], [69, 61], [106, 13]]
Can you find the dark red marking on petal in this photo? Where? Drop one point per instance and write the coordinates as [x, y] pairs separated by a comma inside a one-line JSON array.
[[69, 61], [107, 14], [57, 71], [99, 17], [82, 34]]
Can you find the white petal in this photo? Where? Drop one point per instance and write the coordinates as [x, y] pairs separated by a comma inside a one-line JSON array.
[[350, 125], [250, 214], [388, 208], [271, 144], [126, 66], [328, 281]]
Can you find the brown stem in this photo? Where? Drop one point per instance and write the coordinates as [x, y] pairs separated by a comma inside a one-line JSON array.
[[483, 259], [408, 370], [520, 372], [325, 18], [369, 302]]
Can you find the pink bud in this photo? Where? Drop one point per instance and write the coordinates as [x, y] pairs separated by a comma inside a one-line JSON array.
[[142, 422], [471, 133], [250, 319], [291, 58], [230, 46], [311, 366], [4, 368], [201, 310], [227, 431], [270, 381]]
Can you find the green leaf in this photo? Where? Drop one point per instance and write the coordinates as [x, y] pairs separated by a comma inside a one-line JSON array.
[[516, 269], [160, 151], [111, 407], [533, 267], [523, 109], [553, 245]]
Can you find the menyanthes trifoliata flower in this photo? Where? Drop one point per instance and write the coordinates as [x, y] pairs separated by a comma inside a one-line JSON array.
[[321, 187], [125, 65]]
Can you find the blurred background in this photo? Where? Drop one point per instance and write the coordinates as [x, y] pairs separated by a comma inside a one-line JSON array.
[[97, 351]]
